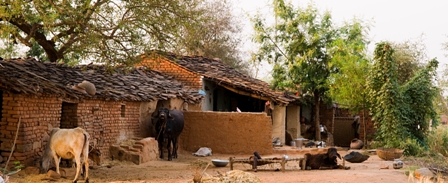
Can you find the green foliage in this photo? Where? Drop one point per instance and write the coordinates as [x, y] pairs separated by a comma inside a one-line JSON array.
[[18, 165], [400, 112], [352, 65], [104, 31], [438, 141], [309, 52], [412, 147], [298, 45], [408, 56]]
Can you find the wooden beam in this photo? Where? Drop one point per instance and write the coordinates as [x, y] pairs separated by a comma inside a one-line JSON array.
[[245, 93]]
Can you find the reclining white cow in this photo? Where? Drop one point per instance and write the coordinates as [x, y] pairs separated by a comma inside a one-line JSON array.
[[67, 144]]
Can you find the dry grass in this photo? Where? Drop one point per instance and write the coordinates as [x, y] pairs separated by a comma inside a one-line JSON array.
[[230, 177]]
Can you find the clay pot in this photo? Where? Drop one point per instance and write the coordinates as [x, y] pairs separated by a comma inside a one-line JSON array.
[[356, 144]]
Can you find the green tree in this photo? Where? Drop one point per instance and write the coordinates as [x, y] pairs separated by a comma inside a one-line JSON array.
[[400, 112], [107, 31], [301, 47], [347, 84], [409, 55]]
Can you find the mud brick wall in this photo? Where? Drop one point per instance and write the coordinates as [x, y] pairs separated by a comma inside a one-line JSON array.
[[326, 116], [38, 116], [227, 132], [107, 122], [179, 73], [370, 128]]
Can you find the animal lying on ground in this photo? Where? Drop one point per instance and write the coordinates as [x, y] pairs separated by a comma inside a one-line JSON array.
[[67, 144], [324, 161], [169, 125]]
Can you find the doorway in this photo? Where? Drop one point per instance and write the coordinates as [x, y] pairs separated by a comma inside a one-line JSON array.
[[69, 117]]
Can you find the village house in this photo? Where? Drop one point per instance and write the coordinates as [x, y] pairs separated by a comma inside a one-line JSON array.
[[41, 96], [227, 90]]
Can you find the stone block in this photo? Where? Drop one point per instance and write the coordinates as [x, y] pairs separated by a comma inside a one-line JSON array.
[[423, 173], [150, 149], [53, 175]]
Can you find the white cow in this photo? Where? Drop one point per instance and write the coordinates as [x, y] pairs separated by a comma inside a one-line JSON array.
[[67, 144]]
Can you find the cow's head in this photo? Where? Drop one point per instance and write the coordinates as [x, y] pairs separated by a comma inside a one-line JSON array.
[[95, 155], [163, 113], [333, 154], [44, 163]]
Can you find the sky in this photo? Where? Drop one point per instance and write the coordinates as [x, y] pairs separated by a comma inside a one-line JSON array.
[[391, 20]]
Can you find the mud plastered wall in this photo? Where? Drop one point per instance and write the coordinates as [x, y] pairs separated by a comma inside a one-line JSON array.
[[227, 132]]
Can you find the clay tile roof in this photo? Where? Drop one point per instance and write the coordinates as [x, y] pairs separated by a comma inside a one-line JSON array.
[[216, 70], [30, 76]]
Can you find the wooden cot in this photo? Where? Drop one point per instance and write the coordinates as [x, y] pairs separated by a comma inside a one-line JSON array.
[[260, 162]]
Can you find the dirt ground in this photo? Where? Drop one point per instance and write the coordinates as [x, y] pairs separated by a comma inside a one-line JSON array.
[[183, 169]]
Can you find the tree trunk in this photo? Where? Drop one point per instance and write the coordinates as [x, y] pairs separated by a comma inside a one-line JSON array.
[[316, 115], [365, 131], [31, 31]]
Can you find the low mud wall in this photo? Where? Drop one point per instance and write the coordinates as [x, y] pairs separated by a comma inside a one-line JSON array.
[[227, 132]]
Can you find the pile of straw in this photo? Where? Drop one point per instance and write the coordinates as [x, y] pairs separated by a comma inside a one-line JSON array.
[[230, 177]]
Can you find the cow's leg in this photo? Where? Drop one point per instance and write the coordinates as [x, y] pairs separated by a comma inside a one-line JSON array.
[[175, 148], [160, 141], [57, 160], [170, 154], [78, 167], [86, 166]]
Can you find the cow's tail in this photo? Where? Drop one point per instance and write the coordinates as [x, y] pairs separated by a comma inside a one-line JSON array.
[[86, 144]]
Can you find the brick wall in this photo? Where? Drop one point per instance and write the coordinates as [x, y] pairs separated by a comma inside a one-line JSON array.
[[327, 114], [179, 73], [108, 122], [370, 128], [38, 116], [227, 132]]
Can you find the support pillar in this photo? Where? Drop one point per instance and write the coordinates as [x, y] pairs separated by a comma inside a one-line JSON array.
[[279, 122], [293, 121]]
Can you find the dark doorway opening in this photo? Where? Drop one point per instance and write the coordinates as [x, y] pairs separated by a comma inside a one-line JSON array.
[[1, 104], [69, 115], [226, 100]]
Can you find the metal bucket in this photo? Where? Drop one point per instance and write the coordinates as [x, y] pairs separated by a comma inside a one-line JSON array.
[[299, 143]]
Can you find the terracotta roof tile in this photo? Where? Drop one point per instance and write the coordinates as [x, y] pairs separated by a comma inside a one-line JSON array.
[[217, 71]]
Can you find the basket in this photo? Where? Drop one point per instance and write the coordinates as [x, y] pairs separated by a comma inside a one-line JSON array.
[[389, 154]]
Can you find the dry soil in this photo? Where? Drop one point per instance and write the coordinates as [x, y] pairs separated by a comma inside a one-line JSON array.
[[183, 169]]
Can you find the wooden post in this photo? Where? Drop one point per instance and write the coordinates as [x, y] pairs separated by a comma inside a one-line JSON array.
[[231, 163], [283, 164], [304, 163]]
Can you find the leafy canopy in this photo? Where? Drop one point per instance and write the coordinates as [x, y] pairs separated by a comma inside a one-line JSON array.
[[400, 112], [109, 31], [301, 46], [347, 83]]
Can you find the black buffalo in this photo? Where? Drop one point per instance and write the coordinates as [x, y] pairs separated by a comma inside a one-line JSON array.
[[168, 125], [324, 160]]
